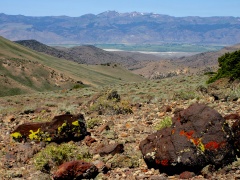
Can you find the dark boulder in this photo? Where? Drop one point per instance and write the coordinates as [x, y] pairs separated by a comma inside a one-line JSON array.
[[198, 136], [75, 170], [62, 128]]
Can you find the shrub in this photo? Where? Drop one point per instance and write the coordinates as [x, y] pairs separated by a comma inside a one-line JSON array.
[[54, 155], [93, 122], [111, 103], [229, 66], [166, 122]]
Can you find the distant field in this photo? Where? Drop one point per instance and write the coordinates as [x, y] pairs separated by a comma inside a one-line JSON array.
[[153, 47]]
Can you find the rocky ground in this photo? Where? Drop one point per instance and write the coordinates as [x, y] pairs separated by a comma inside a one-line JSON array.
[[115, 128]]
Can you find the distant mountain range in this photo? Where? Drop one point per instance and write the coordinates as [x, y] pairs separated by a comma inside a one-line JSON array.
[[114, 27]]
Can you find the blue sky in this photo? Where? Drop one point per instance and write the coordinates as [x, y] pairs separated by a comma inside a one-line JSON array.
[[75, 8]]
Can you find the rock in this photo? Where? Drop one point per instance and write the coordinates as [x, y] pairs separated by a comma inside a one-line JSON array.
[[103, 127], [110, 149], [236, 135], [75, 170], [198, 136], [232, 116], [186, 175], [62, 128], [102, 167], [89, 140]]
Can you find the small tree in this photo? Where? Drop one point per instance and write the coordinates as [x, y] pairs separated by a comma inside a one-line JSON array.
[[229, 66]]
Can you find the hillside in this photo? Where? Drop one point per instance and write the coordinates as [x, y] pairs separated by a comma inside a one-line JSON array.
[[114, 27], [151, 104], [88, 54], [30, 71]]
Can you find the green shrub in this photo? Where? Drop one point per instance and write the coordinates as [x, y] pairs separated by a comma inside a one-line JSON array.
[[185, 95], [108, 104], [93, 122], [166, 122], [54, 155], [229, 66]]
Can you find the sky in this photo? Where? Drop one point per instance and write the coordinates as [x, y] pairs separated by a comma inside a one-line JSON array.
[[76, 8]]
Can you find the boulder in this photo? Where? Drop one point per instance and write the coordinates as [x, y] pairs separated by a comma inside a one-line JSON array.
[[75, 170], [198, 136], [62, 128], [110, 149]]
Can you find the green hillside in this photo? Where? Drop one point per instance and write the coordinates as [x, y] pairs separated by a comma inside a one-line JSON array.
[[24, 70]]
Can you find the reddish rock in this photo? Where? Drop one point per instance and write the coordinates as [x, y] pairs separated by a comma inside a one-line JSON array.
[[110, 149], [89, 140], [103, 127], [61, 129], [232, 116], [75, 170], [186, 175], [198, 136]]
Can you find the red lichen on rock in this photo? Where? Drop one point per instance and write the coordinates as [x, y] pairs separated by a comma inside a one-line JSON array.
[[187, 134], [196, 141], [164, 162], [157, 161], [213, 145]]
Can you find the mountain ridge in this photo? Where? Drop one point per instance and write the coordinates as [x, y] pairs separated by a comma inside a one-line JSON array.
[[113, 27]]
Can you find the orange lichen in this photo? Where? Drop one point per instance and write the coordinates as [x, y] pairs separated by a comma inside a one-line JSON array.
[[196, 141], [182, 133], [157, 161], [213, 145], [164, 162], [187, 134], [173, 131]]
